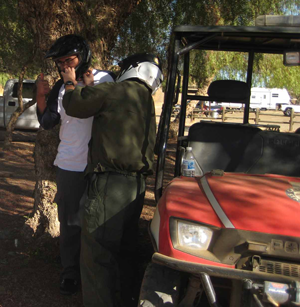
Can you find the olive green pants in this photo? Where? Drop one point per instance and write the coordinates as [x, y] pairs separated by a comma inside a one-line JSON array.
[[109, 239]]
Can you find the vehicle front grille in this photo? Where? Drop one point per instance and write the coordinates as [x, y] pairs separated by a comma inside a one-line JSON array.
[[278, 268]]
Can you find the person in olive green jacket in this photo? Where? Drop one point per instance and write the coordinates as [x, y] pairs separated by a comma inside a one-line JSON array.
[[121, 154]]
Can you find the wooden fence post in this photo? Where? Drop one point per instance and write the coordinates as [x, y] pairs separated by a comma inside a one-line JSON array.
[[257, 116], [292, 120], [223, 114]]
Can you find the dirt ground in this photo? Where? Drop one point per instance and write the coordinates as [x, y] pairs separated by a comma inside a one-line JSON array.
[[29, 275]]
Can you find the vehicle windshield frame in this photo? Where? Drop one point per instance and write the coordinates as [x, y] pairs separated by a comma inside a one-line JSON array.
[[253, 39]]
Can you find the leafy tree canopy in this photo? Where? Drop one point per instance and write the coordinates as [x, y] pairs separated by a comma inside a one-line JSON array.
[[29, 27], [17, 45], [274, 74], [148, 28]]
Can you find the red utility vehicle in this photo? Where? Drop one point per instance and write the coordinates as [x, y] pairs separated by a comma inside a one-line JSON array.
[[229, 236]]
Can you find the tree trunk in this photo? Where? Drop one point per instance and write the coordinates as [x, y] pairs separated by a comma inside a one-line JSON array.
[[203, 90], [12, 122], [99, 22], [174, 126], [205, 84], [44, 219]]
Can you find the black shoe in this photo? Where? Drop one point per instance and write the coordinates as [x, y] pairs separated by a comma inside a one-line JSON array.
[[69, 286]]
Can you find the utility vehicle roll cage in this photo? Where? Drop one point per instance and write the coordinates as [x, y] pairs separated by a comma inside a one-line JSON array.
[[251, 40]]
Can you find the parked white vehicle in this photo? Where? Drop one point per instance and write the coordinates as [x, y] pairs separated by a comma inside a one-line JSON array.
[[9, 103], [287, 109]]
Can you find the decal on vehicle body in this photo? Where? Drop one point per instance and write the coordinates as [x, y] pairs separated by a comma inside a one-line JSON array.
[[214, 203], [294, 192]]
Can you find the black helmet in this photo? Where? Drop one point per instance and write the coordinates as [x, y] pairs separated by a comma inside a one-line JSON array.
[[69, 45]]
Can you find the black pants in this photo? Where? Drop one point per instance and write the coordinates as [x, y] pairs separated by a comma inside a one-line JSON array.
[[109, 239], [70, 188]]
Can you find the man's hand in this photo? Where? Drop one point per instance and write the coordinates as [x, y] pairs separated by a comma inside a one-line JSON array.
[[42, 89], [69, 75], [88, 78]]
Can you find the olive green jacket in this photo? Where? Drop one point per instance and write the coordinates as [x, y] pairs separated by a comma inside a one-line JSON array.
[[124, 126]]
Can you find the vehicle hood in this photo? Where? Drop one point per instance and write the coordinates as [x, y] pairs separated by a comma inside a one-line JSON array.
[[261, 203]]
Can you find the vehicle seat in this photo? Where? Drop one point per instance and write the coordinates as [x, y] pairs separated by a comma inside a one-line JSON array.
[[224, 146], [235, 147], [229, 91], [242, 148], [280, 154]]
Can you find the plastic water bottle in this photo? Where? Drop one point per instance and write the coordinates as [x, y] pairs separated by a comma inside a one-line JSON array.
[[188, 163]]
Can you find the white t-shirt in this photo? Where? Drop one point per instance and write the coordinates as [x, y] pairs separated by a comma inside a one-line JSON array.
[[75, 133]]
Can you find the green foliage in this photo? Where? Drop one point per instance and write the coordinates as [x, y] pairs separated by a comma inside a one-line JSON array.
[[3, 78], [270, 72], [17, 46], [149, 28], [231, 65], [146, 30], [223, 12]]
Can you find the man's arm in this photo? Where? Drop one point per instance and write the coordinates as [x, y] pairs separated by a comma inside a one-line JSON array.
[[43, 90], [47, 113], [82, 102]]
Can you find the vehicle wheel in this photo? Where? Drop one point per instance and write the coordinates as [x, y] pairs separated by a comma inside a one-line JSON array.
[[160, 287], [288, 112]]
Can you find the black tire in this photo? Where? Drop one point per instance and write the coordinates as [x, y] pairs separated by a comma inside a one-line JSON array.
[[160, 287], [288, 112]]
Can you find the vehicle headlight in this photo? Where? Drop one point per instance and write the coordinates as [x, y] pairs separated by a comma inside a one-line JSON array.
[[193, 236]]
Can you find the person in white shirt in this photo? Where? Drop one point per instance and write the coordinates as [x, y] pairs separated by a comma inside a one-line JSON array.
[[71, 159]]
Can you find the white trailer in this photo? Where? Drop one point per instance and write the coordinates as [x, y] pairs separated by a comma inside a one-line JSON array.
[[264, 99], [268, 98]]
